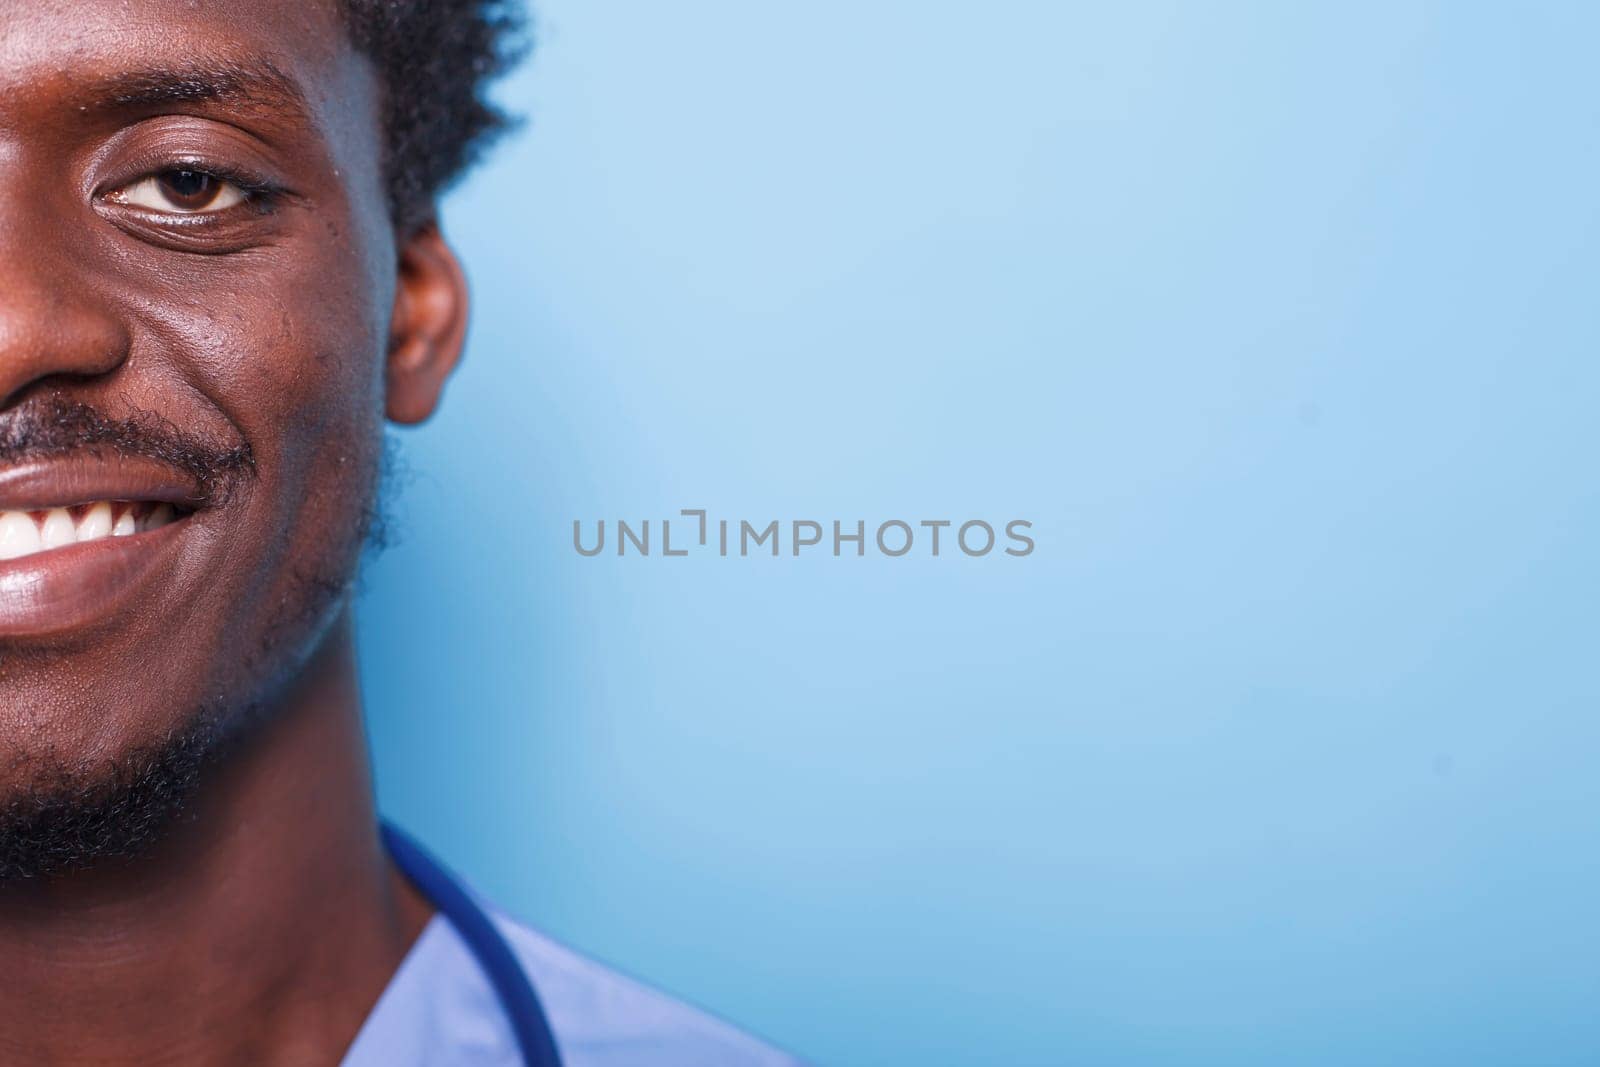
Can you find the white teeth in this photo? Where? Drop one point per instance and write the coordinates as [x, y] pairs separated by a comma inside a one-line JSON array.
[[19, 535], [23, 533], [57, 529], [96, 523]]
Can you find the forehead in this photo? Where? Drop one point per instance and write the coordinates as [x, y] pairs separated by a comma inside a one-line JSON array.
[[270, 56]]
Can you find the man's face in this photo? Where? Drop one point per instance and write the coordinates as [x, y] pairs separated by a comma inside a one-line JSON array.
[[197, 274]]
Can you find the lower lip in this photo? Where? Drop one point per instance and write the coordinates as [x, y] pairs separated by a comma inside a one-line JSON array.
[[79, 586]]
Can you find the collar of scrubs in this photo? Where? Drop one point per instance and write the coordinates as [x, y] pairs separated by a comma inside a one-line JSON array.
[[440, 1008]]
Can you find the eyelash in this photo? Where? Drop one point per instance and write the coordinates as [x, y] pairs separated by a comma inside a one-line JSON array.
[[258, 191]]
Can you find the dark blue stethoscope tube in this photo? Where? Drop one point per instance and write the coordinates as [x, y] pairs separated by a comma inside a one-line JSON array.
[[483, 938]]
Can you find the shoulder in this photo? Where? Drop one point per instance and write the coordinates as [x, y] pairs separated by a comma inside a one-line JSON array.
[[601, 1018]]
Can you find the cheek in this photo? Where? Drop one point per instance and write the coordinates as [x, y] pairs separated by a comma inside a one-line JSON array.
[[285, 355], [315, 390], [315, 430]]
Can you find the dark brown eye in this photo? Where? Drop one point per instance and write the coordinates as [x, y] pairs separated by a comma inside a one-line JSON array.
[[182, 192], [189, 190]]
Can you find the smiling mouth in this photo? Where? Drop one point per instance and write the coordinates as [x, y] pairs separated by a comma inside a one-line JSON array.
[[28, 533], [93, 541]]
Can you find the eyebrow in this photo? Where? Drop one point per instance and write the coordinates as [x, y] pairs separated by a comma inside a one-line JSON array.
[[257, 84]]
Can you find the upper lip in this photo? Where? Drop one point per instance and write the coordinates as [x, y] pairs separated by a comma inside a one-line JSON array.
[[85, 479]]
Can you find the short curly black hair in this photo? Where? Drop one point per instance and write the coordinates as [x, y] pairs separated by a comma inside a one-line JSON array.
[[435, 59]]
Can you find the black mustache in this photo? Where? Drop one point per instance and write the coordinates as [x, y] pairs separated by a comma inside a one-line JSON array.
[[53, 427]]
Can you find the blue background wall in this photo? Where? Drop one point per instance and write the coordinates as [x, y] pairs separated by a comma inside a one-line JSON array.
[[1281, 326]]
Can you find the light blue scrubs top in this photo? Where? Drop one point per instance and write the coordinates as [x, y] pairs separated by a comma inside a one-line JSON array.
[[440, 1011]]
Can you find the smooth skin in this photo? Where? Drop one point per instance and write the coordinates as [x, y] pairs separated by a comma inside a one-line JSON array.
[[265, 924]]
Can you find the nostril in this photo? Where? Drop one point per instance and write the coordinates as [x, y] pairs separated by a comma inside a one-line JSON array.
[[56, 331]]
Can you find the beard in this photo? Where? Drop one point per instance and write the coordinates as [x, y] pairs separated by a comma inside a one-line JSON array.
[[62, 816], [67, 818]]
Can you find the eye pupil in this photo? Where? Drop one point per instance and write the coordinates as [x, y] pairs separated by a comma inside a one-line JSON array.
[[190, 189]]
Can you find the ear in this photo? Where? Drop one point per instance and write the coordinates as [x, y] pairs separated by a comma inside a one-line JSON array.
[[428, 327]]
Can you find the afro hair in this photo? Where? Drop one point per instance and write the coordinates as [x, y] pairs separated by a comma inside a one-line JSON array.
[[435, 59]]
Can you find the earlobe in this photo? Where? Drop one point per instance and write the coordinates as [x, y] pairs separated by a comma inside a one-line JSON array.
[[428, 327]]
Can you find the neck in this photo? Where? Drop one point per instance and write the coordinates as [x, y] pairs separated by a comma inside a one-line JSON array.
[[261, 930]]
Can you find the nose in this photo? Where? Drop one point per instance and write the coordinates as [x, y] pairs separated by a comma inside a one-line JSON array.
[[52, 322]]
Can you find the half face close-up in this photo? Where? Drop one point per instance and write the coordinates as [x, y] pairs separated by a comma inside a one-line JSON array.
[[205, 314], [222, 278]]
